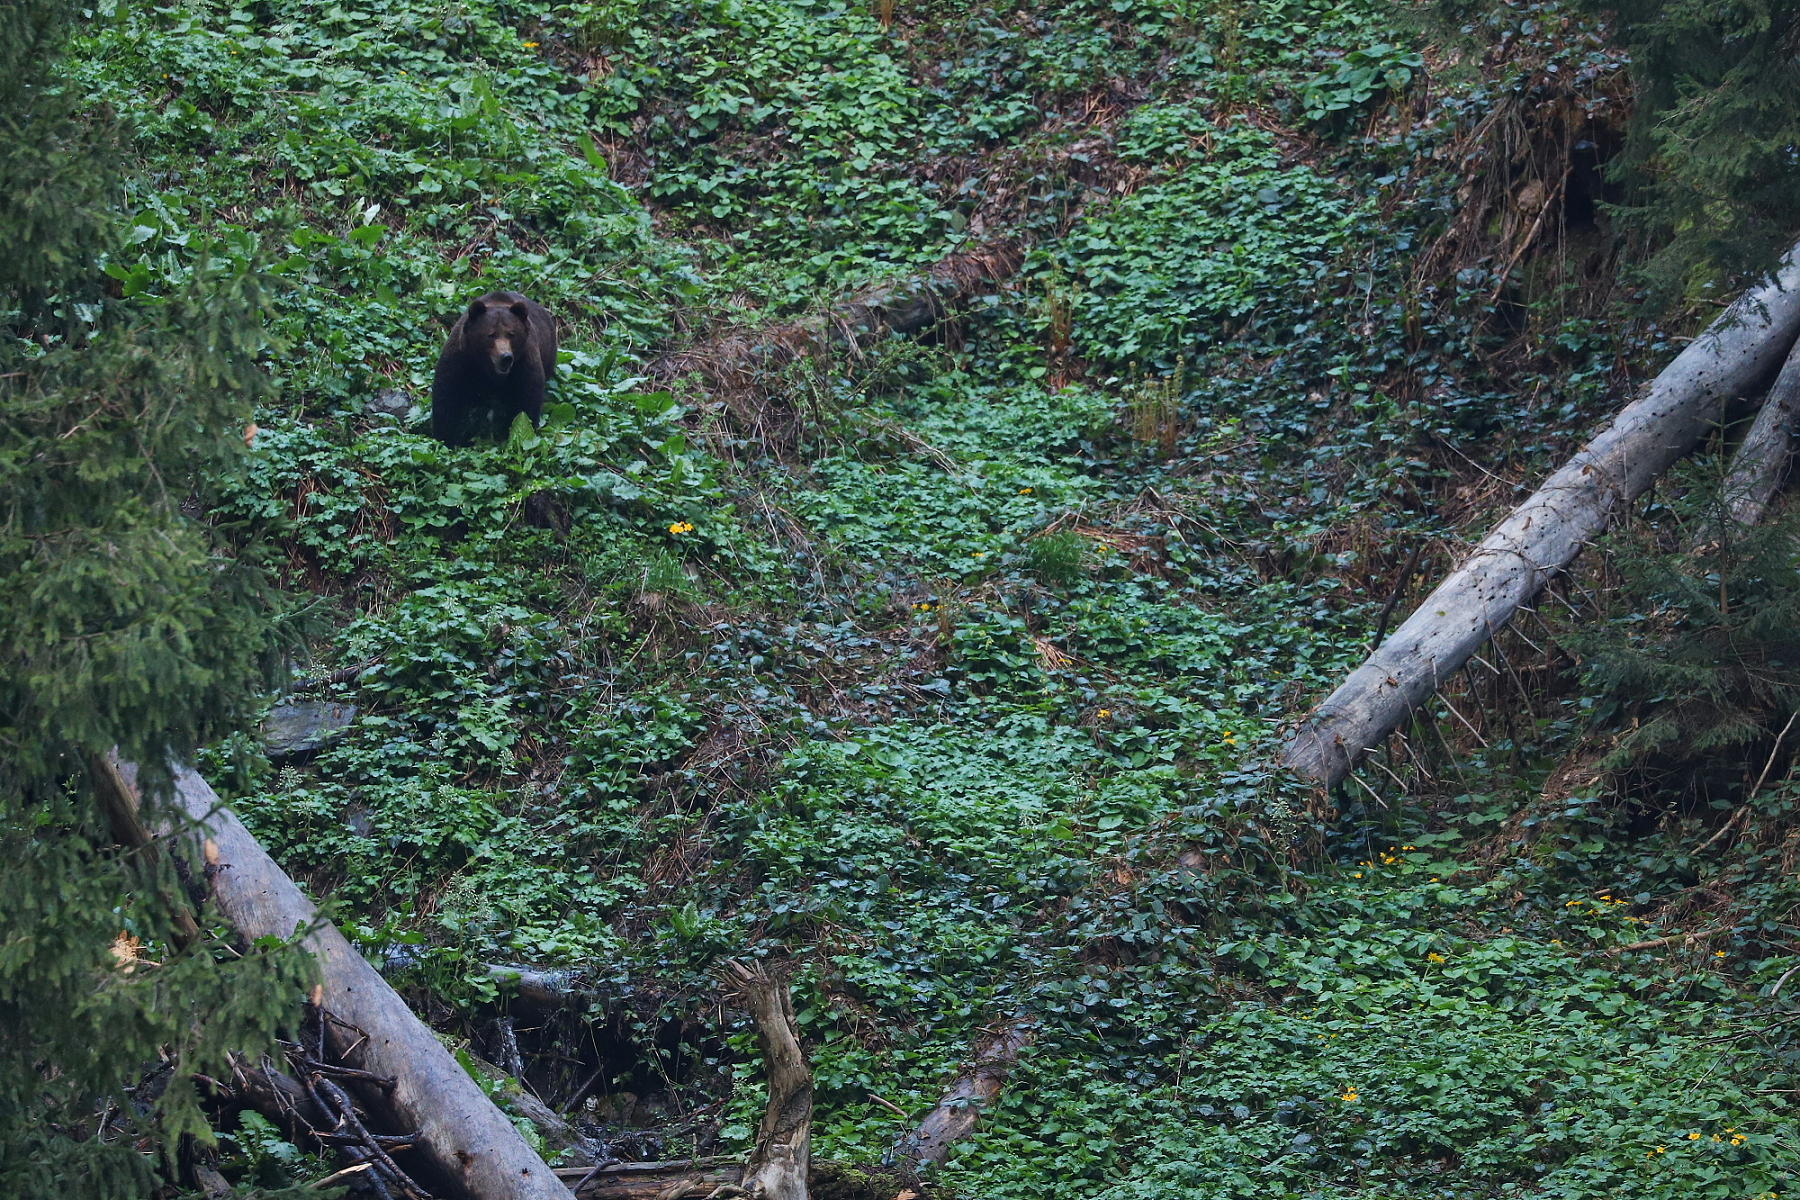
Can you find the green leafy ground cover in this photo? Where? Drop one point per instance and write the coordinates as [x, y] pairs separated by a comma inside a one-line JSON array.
[[955, 700]]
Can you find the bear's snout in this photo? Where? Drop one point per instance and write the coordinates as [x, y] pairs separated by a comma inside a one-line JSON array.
[[504, 361], [501, 355]]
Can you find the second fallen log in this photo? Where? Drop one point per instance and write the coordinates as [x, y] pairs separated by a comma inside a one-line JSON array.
[[1542, 535], [466, 1140], [977, 1086], [1761, 462]]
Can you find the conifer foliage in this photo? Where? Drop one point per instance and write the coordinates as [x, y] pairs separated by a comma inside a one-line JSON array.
[[127, 620], [1715, 123], [1701, 661]]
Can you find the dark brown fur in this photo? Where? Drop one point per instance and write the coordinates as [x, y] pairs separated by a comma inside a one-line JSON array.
[[499, 356]]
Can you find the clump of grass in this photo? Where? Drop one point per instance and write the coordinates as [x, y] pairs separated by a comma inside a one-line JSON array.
[[665, 575], [1057, 558]]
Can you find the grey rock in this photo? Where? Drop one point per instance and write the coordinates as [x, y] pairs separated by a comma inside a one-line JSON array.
[[391, 401], [305, 727]]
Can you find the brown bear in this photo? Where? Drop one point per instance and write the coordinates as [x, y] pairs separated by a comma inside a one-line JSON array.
[[494, 366]]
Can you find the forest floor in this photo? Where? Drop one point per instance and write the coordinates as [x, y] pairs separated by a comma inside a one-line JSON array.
[[942, 670]]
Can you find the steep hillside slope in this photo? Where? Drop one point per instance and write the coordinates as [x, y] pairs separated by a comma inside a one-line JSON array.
[[940, 668]]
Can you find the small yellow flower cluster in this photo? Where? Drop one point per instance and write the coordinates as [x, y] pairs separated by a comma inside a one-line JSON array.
[[1656, 1152], [682, 527], [530, 45], [1434, 957], [1024, 491], [1229, 738], [1104, 713], [1349, 1096], [924, 606]]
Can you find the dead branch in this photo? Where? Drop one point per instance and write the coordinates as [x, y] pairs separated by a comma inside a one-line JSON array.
[[1674, 939]]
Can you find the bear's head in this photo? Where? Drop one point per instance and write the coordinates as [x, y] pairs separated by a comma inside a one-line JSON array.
[[497, 330]]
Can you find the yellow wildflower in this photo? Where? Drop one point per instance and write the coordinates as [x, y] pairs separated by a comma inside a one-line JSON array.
[[681, 527]]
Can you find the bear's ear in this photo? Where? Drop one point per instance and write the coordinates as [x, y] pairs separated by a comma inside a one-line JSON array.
[[477, 308], [521, 312]]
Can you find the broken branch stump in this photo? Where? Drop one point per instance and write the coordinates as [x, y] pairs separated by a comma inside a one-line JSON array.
[[783, 1154]]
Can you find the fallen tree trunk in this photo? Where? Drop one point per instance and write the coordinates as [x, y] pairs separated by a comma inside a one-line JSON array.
[[1542, 535], [1761, 462], [735, 361], [541, 987], [466, 1141], [655, 1180], [956, 1114]]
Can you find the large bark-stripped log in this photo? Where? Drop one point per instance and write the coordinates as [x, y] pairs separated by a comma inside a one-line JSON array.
[[956, 1114], [466, 1140], [1761, 461], [1542, 535]]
